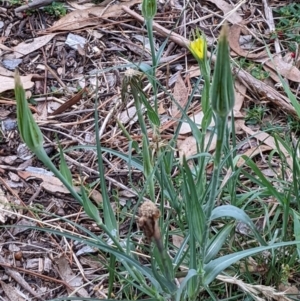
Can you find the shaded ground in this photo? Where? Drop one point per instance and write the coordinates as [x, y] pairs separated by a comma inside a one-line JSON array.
[[62, 82]]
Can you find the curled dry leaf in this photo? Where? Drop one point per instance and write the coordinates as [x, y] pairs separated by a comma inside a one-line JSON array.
[[234, 43], [180, 95]]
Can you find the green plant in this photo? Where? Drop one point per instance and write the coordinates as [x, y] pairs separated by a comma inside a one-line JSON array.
[[56, 9], [287, 25], [16, 2], [293, 124], [201, 208], [255, 114], [258, 72], [255, 70]]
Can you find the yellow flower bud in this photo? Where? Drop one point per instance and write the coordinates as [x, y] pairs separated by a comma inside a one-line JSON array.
[[198, 48]]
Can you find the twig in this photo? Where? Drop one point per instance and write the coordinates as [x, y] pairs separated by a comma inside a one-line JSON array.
[[9, 266], [33, 4]]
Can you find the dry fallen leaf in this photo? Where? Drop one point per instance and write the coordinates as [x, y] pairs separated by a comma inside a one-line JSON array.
[[230, 14], [68, 276], [188, 147], [54, 185], [6, 72], [88, 17], [197, 119], [176, 239], [234, 43], [239, 93], [26, 48], [267, 140], [8, 83], [194, 71], [11, 292], [276, 63], [180, 95], [285, 69]]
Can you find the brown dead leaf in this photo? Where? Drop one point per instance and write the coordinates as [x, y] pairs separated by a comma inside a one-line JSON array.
[[69, 277], [188, 147], [230, 14], [288, 289], [252, 152], [285, 69], [267, 140], [11, 292], [234, 43], [26, 48], [276, 63], [72, 101], [8, 83], [89, 17], [194, 71], [272, 74], [53, 184], [176, 239], [180, 95], [239, 93]]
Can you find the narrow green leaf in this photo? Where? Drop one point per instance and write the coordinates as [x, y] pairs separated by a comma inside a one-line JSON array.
[[264, 182], [217, 242], [153, 117], [148, 167], [108, 213], [238, 214], [216, 266], [296, 218], [191, 273], [63, 167], [90, 209], [196, 216]]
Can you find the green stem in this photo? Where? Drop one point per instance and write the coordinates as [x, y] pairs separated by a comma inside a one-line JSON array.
[[221, 123], [149, 25], [42, 156]]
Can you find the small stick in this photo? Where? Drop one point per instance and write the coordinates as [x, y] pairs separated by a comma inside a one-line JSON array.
[[33, 4]]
